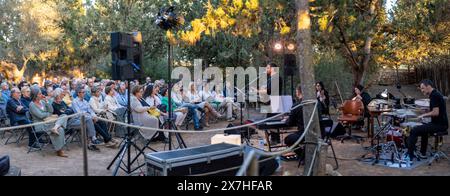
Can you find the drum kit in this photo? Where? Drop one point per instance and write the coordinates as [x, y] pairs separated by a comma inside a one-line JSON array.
[[395, 132]]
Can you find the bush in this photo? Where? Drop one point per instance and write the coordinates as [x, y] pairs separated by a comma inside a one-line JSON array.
[[330, 67]]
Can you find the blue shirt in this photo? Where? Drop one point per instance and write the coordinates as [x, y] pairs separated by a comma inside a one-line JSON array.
[[83, 106], [122, 99], [6, 94]]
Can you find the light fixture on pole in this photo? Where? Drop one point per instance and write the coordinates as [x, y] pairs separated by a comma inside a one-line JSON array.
[[287, 49], [167, 19]]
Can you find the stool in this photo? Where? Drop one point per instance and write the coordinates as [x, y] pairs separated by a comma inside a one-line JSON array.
[[438, 153]]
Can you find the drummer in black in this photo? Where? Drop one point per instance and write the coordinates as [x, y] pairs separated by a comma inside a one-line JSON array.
[[439, 120]]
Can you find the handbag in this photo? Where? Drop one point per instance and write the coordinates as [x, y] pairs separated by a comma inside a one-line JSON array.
[[4, 165], [51, 118], [154, 112]]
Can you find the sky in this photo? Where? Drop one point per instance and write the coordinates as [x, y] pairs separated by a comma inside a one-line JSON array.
[[390, 4]]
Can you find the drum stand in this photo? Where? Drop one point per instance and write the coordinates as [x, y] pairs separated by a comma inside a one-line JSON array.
[[385, 148], [378, 147]]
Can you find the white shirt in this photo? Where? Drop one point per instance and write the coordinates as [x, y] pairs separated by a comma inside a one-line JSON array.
[[97, 104], [111, 103], [153, 101], [193, 97]]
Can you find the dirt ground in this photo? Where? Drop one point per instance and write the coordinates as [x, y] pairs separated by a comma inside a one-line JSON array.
[[47, 164]]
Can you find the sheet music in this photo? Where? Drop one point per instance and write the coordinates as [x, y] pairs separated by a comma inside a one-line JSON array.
[[281, 104]]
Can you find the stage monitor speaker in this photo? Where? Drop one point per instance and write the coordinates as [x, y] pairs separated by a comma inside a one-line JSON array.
[[290, 64], [127, 56]]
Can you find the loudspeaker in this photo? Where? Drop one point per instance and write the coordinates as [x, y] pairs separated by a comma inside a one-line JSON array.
[[127, 55], [290, 64]]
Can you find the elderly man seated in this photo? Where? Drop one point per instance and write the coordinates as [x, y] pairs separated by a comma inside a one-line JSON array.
[[80, 105], [17, 112]]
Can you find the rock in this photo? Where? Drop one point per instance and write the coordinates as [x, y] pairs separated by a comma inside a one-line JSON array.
[[331, 172]]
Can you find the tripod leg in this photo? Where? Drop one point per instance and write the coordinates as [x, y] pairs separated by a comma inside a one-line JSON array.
[[119, 161], [141, 152], [117, 156], [181, 141]]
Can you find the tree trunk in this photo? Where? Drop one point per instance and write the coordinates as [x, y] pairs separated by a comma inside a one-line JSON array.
[[307, 78], [358, 75]]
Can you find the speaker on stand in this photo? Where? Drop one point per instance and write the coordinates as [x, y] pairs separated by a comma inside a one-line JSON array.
[[127, 56], [290, 68]]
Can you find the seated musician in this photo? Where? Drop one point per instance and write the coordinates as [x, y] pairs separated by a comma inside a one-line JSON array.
[[296, 119], [364, 97], [439, 120], [324, 99]]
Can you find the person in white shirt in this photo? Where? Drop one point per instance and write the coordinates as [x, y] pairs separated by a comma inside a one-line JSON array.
[[194, 97], [225, 103], [80, 105], [111, 103], [96, 102]]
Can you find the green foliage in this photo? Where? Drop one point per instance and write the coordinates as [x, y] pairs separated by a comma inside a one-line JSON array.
[[330, 67], [420, 31]]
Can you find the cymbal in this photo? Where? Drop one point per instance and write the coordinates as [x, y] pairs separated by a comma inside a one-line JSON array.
[[376, 102], [402, 113], [422, 103]]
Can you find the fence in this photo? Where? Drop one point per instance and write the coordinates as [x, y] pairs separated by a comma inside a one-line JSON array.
[[438, 71]]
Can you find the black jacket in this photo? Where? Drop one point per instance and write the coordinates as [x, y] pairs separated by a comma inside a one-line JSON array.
[[14, 115], [62, 108], [296, 117]]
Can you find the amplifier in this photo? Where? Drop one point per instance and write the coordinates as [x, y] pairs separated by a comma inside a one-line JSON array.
[[209, 160]]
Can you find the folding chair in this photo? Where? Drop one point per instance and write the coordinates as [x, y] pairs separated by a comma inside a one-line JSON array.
[[41, 146], [18, 134], [73, 135], [41, 136], [4, 122]]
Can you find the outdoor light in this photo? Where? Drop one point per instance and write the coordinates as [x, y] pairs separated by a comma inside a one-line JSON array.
[[291, 47], [278, 46], [167, 19]]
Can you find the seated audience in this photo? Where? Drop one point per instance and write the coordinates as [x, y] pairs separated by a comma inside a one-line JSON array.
[[140, 113], [179, 113], [40, 109], [80, 105], [17, 112]]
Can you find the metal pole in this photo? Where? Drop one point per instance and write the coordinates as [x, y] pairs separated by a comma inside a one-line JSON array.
[[250, 167], [253, 170], [128, 140], [84, 144], [169, 75]]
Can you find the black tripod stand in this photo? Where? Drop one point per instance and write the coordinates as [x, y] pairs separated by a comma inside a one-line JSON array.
[[126, 146], [169, 123]]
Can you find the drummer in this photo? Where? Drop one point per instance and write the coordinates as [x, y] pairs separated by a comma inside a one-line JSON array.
[[439, 120]]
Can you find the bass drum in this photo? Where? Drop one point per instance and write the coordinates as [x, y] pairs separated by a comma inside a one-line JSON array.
[[396, 136]]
